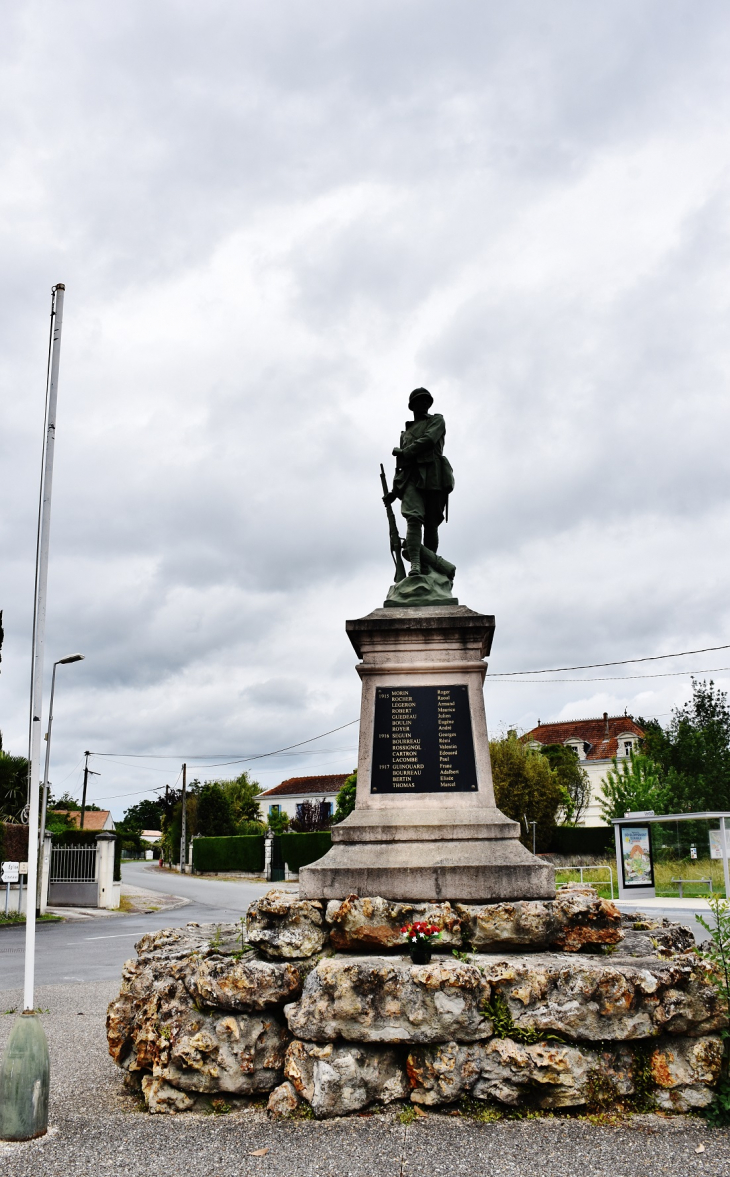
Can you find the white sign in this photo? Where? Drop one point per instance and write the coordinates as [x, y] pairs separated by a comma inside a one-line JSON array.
[[11, 872], [715, 844]]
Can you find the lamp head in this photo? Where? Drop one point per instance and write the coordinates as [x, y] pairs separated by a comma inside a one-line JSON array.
[[71, 658]]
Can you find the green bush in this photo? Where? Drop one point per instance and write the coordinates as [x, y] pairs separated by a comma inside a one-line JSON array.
[[577, 840], [220, 854], [74, 837], [299, 850], [346, 798]]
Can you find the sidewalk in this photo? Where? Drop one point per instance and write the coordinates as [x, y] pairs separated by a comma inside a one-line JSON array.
[[134, 901]]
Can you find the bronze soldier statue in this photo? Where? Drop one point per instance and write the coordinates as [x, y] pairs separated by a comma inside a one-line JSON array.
[[423, 482]]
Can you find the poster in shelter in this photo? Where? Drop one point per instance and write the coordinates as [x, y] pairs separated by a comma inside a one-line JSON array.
[[715, 844], [636, 856]]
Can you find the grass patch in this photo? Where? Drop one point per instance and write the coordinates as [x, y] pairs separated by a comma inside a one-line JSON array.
[[14, 919], [664, 872]]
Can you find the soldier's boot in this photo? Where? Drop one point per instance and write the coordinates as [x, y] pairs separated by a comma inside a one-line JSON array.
[[431, 538], [413, 546]]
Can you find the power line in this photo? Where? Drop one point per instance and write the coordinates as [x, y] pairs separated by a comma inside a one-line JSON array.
[[622, 662], [614, 677], [222, 763]]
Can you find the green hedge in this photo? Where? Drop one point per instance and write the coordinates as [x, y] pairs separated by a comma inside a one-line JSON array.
[[13, 842], [300, 849], [237, 853], [582, 840]]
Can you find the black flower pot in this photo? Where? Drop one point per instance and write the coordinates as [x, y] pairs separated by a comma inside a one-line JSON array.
[[420, 953]]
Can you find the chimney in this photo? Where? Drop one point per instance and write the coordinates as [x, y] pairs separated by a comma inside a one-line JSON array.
[[605, 720]]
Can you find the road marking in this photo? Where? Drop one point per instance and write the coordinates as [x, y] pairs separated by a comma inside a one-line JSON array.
[[115, 936]]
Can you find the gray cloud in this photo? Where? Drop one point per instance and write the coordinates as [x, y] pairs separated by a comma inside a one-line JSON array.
[[273, 221]]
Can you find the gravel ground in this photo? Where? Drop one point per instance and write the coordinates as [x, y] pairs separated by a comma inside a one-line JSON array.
[[97, 1127]]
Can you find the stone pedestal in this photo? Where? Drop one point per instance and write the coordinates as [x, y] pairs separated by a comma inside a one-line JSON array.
[[425, 825]]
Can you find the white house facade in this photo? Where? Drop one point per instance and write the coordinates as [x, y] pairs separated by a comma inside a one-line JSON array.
[[596, 741], [285, 798]]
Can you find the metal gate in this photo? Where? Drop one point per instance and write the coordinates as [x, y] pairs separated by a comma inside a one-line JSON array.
[[72, 880], [277, 870]]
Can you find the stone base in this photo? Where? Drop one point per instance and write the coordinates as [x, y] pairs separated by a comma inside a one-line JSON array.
[[199, 1017], [468, 856]]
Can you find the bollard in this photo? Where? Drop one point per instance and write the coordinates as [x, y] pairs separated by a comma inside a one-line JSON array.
[[25, 1080]]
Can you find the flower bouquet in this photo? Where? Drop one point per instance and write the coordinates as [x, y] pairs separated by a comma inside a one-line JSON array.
[[420, 936]]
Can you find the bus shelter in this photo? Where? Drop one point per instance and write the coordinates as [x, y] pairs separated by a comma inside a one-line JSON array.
[[634, 859]]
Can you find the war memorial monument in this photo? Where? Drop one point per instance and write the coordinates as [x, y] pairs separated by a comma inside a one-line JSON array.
[[425, 825], [534, 999]]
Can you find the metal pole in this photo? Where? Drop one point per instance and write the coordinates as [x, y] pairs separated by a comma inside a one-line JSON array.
[[183, 834], [723, 847], [83, 795], [39, 643]]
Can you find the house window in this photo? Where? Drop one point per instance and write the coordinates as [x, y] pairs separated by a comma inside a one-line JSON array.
[[627, 747], [274, 809]]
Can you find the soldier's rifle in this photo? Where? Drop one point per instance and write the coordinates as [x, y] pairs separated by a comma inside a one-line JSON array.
[[395, 540]]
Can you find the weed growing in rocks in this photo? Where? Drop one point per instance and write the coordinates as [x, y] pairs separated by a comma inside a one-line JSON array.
[[717, 951], [408, 1114], [504, 1027], [477, 1110]]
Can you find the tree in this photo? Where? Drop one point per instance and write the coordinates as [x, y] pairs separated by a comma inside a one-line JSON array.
[[214, 814], [346, 798], [242, 793], [693, 753], [635, 784], [525, 786], [278, 822], [311, 816], [574, 779], [145, 815], [13, 785]]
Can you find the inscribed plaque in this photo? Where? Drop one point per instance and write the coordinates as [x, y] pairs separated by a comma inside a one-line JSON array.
[[423, 741]]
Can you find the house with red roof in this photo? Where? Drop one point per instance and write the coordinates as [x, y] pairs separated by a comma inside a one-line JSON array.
[[286, 797], [596, 741]]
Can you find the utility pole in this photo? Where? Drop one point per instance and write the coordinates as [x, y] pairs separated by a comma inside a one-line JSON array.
[[183, 834], [87, 773]]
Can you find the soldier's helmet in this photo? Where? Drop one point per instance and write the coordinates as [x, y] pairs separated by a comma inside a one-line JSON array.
[[420, 395]]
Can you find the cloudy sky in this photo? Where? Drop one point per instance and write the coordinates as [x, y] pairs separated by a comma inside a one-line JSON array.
[[273, 221]]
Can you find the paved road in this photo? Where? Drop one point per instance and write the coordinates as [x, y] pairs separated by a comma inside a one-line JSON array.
[[97, 949]]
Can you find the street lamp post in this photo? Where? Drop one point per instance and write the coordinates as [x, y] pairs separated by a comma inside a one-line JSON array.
[[44, 803], [25, 1069]]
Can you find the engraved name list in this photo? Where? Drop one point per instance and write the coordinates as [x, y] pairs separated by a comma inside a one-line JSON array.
[[423, 741]]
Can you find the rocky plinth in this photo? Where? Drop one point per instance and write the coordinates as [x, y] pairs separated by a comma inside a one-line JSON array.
[[548, 1003]]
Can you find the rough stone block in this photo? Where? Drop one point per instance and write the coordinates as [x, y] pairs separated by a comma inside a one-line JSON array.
[[339, 1078], [684, 1071], [645, 936], [568, 922], [242, 984], [283, 1100], [376, 923], [281, 925], [553, 1074], [162, 1099], [604, 999], [388, 999], [237, 1053]]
